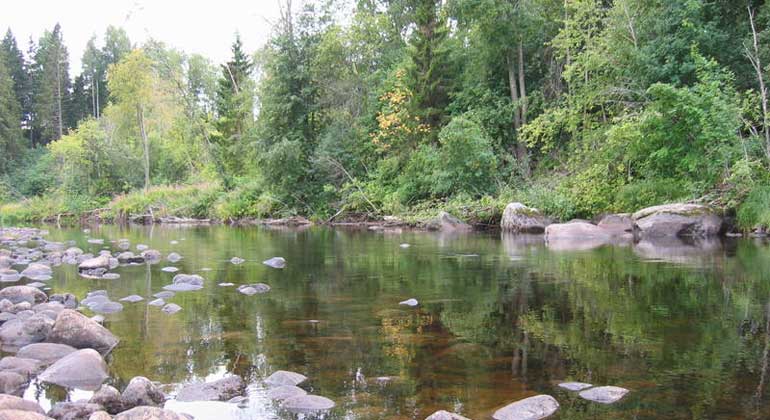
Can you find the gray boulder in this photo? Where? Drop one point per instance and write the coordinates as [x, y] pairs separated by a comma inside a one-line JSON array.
[[83, 369], [69, 300], [73, 410], [45, 353], [678, 220], [77, 330], [221, 390], [13, 383], [532, 408], [24, 367], [171, 308], [101, 261], [100, 415], [275, 262], [285, 391], [149, 413], [307, 404], [141, 392], [11, 402], [445, 415], [132, 299], [109, 398], [284, 377], [574, 386], [447, 223], [21, 415], [18, 294], [604, 394], [519, 218]]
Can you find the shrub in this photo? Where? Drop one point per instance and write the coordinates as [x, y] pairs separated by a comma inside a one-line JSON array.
[[755, 210]]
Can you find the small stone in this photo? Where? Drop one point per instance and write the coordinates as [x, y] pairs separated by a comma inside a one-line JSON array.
[[409, 302], [532, 408], [445, 415], [173, 257], [237, 260], [157, 302], [285, 377], [574, 386], [132, 299], [226, 284], [604, 394], [169, 269], [140, 391], [164, 295], [275, 262], [307, 403], [171, 308]]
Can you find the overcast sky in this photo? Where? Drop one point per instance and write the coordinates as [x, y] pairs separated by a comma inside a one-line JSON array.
[[205, 27]]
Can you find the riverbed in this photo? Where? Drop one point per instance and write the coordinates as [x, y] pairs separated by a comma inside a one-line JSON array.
[[681, 324]]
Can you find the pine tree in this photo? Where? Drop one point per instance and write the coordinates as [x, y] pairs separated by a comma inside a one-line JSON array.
[[235, 107], [17, 69], [10, 115], [429, 68], [52, 86]]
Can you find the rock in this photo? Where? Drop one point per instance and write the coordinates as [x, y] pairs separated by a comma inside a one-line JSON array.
[[102, 261], [129, 258], [226, 284], [24, 367], [169, 269], [6, 316], [409, 302], [10, 402], [109, 398], [148, 413], [67, 299], [192, 279], [404, 245], [284, 377], [84, 369], [21, 415], [132, 299], [604, 394], [285, 391], [575, 230], [94, 241], [13, 334], [6, 305], [532, 408], [151, 255], [182, 287], [73, 410], [275, 262], [445, 415], [99, 319], [38, 327], [100, 415], [141, 392], [36, 269], [107, 307], [620, 223], [93, 300], [252, 289], [307, 403], [13, 383], [173, 257], [448, 223], [6, 261], [164, 295], [237, 260], [574, 386], [678, 220], [49, 306], [77, 330], [142, 247], [221, 390], [17, 294], [522, 219], [157, 302], [171, 308], [46, 353]]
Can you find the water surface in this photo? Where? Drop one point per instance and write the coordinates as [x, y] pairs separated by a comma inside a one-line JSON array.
[[684, 327]]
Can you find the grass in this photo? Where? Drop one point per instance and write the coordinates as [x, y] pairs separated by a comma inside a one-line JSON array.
[[193, 201]]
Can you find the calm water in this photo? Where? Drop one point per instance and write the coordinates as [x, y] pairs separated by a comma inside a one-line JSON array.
[[500, 318]]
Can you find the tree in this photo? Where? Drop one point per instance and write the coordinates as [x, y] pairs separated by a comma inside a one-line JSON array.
[[51, 85], [235, 112], [132, 83], [10, 115], [17, 68]]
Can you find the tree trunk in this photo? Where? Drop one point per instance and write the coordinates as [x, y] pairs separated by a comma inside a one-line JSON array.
[[522, 84], [58, 94], [145, 144], [757, 64], [521, 149]]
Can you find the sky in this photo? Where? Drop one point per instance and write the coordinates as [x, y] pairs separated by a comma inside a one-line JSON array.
[[193, 26]]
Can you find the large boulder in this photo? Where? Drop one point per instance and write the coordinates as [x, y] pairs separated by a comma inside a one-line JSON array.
[[13, 383], [142, 392], [79, 331], [447, 223], [285, 377], [18, 294], [532, 408], [21, 415], [147, 413], [73, 410], [577, 229], [45, 353], [678, 220], [307, 404], [100, 415], [83, 369], [221, 390], [519, 218], [10, 402], [24, 367]]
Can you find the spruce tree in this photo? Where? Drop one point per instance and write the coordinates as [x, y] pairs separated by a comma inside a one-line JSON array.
[[10, 116], [51, 86], [17, 68]]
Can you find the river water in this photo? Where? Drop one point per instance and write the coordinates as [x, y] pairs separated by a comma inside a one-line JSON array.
[[500, 318]]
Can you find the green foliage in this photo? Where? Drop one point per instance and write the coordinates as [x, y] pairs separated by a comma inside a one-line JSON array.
[[754, 212], [182, 201]]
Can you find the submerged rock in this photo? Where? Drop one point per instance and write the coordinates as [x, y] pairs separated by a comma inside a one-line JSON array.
[[221, 390], [84, 369], [171, 308], [173, 257], [532, 408], [164, 295], [147, 413], [182, 287], [409, 302], [448, 223], [285, 377], [169, 269], [157, 302], [132, 299], [253, 289], [574, 386], [237, 260], [107, 307], [307, 403], [275, 262], [77, 330], [445, 415], [604, 394]]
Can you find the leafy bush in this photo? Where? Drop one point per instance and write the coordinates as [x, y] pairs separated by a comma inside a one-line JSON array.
[[646, 193], [181, 201], [467, 162], [755, 210]]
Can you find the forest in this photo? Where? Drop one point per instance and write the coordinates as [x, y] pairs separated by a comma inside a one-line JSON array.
[[367, 108]]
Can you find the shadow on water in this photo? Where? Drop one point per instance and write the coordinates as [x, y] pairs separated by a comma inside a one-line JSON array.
[[681, 324]]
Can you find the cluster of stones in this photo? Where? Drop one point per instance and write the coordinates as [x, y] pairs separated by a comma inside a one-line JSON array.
[[543, 406]]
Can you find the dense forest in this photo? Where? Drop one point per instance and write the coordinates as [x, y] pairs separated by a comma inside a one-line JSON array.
[[401, 107]]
